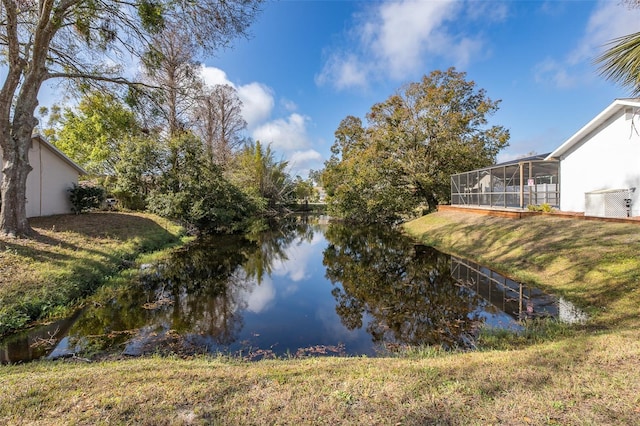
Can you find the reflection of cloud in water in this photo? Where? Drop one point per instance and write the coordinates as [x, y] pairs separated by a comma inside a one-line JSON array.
[[569, 313], [298, 257], [144, 339], [258, 297], [333, 326], [291, 289]]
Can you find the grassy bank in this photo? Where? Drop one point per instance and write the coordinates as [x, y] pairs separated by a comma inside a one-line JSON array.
[[68, 258], [594, 264], [582, 381], [590, 377]]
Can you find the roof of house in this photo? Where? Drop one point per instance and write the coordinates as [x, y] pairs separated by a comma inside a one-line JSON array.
[[520, 160], [56, 151], [612, 109], [535, 157]]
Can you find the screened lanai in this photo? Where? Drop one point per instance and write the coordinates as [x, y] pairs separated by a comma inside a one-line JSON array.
[[513, 184]]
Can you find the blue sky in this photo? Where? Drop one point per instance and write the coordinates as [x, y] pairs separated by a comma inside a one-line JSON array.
[[309, 64]]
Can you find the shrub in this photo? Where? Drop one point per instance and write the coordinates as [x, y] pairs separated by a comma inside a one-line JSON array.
[[85, 197], [546, 208], [195, 192]]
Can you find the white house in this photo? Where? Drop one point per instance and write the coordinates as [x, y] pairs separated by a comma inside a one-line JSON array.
[[596, 171], [600, 164], [48, 183]]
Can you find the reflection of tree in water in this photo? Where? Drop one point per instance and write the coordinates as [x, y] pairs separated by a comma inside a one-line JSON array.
[[205, 282], [273, 240], [202, 283], [407, 290]]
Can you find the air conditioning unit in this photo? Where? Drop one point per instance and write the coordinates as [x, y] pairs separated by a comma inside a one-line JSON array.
[[608, 203]]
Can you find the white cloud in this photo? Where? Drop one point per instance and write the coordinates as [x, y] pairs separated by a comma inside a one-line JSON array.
[[556, 73], [289, 137], [257, 98], [404, 30], [289, 105], [302, 157], [259, 297], [302, 161], [257, 103], [463, 52], [344, 71], [288, 134], [395, 39], [608, 21], [489, 11], [553, 7], [213, 76]]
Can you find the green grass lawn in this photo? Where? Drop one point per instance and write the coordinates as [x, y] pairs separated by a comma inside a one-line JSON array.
[[559, 376], [68, 258]]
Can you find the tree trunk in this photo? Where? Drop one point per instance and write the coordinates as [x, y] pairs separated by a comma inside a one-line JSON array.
[[15, 145], [15, 169]]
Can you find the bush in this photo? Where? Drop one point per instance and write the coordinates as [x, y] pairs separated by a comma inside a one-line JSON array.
[[85, 197], [546, 208], [213, 205], [194, 191]]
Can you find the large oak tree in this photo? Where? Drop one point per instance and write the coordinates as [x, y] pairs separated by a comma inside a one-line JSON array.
[[85, 41], [402, 161]]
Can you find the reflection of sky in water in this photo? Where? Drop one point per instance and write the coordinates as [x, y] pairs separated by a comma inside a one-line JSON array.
[[298, 259], [333, 328], [498, 320], [289, 272], [260, 296], [300, 308], [293, 306]]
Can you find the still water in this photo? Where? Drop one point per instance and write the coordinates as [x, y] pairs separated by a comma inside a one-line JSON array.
[[304, 287]]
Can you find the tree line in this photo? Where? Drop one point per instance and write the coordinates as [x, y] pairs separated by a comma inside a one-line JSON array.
[[179, 150], [399, 164], [203, 174], [175, 145], [87, 44]]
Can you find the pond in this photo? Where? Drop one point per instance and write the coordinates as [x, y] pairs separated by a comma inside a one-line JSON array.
[[306, 287]]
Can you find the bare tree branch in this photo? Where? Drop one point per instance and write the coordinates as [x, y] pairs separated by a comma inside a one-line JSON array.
[[81, 40]]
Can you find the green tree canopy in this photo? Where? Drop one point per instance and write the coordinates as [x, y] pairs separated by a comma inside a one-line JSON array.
[[262, 177], [104, 135], [303, 189], [136, 172], [92, 133], [401, 162], [193, 191], [621, 62]]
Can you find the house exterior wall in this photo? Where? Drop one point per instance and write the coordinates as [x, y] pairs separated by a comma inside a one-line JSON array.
[[48, 181], [34, 189], [606, 158]]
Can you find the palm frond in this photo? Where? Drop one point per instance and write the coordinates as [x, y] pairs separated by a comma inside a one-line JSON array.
[[620, 63]]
